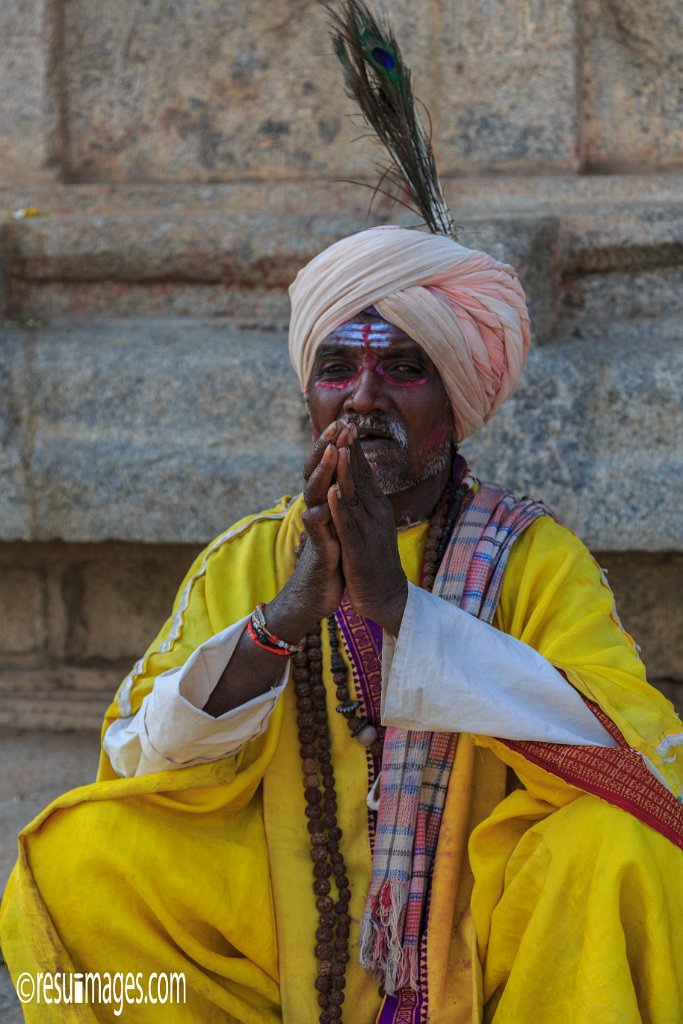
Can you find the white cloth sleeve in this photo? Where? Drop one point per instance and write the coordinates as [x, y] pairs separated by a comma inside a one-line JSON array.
[[171, 731], [449, 672]]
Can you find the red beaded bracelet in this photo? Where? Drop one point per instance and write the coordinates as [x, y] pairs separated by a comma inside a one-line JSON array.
[[264, 646], [261, 635]]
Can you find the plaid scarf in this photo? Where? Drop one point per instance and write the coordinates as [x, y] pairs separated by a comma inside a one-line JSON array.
[[416, 765]]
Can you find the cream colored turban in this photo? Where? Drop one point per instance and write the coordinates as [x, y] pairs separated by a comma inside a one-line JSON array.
[[464, 308]]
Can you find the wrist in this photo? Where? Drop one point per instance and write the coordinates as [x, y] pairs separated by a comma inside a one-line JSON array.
[[289, 618], [391, 614]]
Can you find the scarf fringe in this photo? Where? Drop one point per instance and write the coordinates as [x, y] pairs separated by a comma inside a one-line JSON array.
[[381, 933]]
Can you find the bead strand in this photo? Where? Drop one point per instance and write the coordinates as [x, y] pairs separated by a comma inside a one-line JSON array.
[[334, 922], [361, 728]]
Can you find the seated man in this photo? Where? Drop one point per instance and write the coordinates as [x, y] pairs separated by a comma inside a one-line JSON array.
[[318, 828]]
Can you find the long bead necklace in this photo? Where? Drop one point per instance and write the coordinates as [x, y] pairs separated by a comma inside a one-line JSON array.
[[334, 922]]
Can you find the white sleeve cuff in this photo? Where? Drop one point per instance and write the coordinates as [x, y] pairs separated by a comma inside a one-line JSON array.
[[172, 731], [449, 672]]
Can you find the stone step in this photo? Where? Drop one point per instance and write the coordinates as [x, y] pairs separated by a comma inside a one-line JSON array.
[[470, 195], [57, 697], [232, 251], [168, 430], [231, 264]]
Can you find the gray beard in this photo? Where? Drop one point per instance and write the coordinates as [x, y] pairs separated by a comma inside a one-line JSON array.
[[395, 478], [392, 468]]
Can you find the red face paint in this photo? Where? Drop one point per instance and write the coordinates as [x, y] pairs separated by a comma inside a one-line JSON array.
[[437, 437], [377, 339], [381, 372], [339, 384]]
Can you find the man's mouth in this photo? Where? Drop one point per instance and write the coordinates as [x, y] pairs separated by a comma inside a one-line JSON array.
[[376, 440]]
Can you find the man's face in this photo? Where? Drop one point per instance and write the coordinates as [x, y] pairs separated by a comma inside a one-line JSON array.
[[370, 373]]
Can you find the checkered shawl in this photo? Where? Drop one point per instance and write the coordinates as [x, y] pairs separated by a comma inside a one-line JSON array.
[[416, 765]]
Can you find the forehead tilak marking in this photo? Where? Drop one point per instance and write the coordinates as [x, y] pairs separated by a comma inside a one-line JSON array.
[[355, 331]]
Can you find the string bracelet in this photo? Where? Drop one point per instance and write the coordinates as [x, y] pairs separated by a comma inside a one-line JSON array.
[[264, 638]]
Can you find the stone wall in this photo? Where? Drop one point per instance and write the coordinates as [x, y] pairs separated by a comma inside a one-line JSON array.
[[166, 166], [202, 90], [74, 617]]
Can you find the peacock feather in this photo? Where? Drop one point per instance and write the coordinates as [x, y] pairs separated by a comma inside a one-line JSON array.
[[380, 83]]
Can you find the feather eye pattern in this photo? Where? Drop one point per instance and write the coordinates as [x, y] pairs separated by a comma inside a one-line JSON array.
[[380, 83]]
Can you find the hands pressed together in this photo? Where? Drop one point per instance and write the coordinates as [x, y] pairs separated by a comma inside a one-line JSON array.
[[350, 544], [350, 535]]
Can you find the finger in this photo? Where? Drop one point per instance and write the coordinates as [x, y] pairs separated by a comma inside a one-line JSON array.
[[360, 466], [354, 493], [343, 521], [364, 477], [317, 522], [321, 478], [346, 435], [350, 494], [367, 469], [320, 531], [328, 435]]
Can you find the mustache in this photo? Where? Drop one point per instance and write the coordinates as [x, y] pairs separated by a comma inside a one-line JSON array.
[[391, 427]]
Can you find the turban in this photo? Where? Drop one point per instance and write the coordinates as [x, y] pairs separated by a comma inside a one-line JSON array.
[[465, 309]]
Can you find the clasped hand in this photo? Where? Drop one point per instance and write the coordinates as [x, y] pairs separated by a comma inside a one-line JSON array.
[[350, 534]]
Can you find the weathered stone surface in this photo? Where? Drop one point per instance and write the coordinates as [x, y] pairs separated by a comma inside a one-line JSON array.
[[116, 596], [58, 696], [235, 265], [207, 90], [22, 611], [29, 116], [10, 1007], [124, 603], [649, 593], [16, 493], [633, 84], [220, 92], [479, 196], [508, 86], [622, 261], [37, 767], [169, 430], [84, 604], [183, 420], [212, 91], [588, 298], [596, 430], [637, 235]]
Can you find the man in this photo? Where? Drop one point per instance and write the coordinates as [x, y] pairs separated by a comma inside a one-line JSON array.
[[238, 831]]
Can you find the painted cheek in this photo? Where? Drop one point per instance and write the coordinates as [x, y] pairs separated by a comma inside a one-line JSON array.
[[437, 437], [401, 383], [339, 385]]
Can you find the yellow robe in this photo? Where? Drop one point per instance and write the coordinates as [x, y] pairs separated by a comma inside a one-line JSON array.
[[565, 908]]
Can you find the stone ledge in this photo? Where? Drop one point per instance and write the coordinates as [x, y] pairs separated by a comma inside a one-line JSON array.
[[267, 249], [169, 430], [118, 260], [57, 698], [44, 698], [469, 195], [216, 263]]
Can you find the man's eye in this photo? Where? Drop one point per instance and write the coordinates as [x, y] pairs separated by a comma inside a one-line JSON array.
[[336, 370], [404, 368]]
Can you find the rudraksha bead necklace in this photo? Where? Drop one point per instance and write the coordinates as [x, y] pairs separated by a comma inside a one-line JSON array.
[[334, 922]]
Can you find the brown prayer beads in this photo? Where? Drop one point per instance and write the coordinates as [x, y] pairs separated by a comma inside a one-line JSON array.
[[334, 922], [332, 935]]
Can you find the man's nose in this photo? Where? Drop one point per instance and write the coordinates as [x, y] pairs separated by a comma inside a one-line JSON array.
[[368, 395]]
